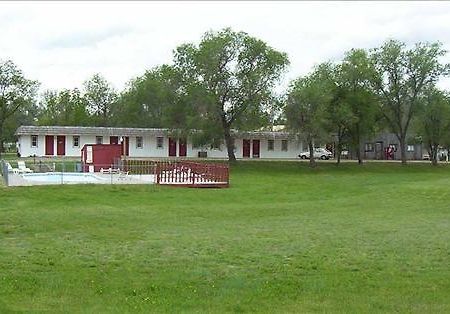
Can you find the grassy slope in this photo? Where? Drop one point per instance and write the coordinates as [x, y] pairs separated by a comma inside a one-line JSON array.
[[284, 238]]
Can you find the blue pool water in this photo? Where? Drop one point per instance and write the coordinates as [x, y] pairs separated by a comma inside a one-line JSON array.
[[58, 177]]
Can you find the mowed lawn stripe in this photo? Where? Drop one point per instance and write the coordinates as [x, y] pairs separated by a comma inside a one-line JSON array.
[[283, 238]]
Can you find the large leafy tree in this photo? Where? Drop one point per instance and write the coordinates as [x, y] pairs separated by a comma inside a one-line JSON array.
[[15, 92], [154, 99], [358, 110], [65, 107], [100, 97], [306, 106], [233, 75], [399, 78], [25, 115], [433, 122]]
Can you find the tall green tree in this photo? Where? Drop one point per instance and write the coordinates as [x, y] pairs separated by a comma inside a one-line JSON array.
[[65, 107], [306, 109], [399, 78], [235, 75], [153, 100], [100, 97], [434, 121], [359, 101], [15, 92]]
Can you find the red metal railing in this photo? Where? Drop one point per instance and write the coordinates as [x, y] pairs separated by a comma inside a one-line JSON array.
[[192, 174]]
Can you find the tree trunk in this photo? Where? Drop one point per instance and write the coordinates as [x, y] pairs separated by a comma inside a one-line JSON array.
[[1, 141], [433, 154], [402, 140], [358, 155], [230, 145], [312, 162], [358, 145], [338, 151]]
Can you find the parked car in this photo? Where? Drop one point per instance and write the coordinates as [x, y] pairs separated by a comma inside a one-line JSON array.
[[319, 152]]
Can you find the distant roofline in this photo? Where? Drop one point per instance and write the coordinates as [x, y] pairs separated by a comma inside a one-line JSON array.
[[121, 131]]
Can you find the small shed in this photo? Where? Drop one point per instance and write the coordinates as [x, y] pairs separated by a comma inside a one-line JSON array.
[[97, 156]]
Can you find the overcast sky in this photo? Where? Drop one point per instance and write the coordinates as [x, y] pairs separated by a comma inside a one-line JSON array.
[[61, 44]]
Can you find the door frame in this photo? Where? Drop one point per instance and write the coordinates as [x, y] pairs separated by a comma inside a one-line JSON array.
[[246, 148], [172, 147], [182, 147], [256, 149], [60, 145], [49, 139]]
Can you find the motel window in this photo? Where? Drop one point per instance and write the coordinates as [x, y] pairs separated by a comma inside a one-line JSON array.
[[284, 145], [410, 148], [159, 142], [34, 140], [270, 144], [139, 142], [76, 141], [99, 140], [368, 147]]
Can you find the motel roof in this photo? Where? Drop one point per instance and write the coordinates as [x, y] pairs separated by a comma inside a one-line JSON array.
[[114, 131]]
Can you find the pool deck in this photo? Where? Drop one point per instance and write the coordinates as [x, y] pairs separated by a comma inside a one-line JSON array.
[[19, 180]]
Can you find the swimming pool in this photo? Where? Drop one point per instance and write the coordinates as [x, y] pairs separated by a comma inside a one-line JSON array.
[[66, 177]]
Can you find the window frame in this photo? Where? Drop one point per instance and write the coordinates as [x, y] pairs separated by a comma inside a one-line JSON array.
[[369, 147], [35, 139], [78, 141], [284, 145], [97, 139], [160, 142], [139, 140], [408, 146], [270, 145]]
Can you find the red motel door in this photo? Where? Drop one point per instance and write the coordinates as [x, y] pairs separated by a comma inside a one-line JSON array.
[[126, 142], [182, 149], [255, 149], [246, 148], [60, 145], [49, 145], [172, 147]]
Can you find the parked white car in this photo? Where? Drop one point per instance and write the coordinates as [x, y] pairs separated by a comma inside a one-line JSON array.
[[319, 152]]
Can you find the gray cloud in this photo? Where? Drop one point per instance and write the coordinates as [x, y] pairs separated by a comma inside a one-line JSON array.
[[84, 39], [62, 43]]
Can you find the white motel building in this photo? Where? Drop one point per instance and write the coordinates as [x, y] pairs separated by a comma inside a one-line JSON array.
[[50, 141]]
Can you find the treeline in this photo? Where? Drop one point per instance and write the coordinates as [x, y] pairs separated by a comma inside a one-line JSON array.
[[227, 83]]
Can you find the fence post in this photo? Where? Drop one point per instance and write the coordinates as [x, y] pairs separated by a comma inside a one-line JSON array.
[[5, 172], [157, 173]]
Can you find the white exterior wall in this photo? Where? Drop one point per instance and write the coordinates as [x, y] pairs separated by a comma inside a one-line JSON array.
[[150, 149], [25, 148], [294, 149]]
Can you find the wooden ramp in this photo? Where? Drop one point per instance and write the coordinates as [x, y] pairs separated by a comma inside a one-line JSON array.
[[192, 174]]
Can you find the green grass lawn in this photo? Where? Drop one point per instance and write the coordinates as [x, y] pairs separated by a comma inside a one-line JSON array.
[[283, 238]]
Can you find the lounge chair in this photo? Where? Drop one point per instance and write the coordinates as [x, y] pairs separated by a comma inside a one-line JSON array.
[[11, 169], [123, 175], [23, 168], [109, 170]]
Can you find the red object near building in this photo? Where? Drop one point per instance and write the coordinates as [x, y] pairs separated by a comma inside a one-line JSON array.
[[61, 145], [246, 148], [49, 143], [182, 148], [172, 147], [96, 156], [255, 150]]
